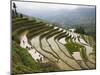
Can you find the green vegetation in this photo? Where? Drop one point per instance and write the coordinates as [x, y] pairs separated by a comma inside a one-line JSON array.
[[80, 30], [87, 29], [22, 62], [83, 54], [89, 39], [72, 47]]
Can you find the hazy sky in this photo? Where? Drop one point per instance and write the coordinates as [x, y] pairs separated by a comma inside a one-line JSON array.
[[89, 2], [31, 6], [43, 6]]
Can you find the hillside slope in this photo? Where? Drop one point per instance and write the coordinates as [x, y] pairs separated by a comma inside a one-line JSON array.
[[41, 47]]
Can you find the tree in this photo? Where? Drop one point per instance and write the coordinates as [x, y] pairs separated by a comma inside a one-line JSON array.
[[15, 11], [80, 30]]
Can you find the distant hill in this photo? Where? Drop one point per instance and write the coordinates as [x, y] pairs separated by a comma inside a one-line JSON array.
[[82, 15]]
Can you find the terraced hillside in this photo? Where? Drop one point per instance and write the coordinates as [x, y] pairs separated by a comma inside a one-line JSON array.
[[42, 47]]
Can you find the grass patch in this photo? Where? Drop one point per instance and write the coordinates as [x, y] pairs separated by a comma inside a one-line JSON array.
[[71, 46], [22, 62]]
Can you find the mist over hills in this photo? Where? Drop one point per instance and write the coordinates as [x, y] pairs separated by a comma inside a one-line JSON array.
[[77, 16], [82, 15]]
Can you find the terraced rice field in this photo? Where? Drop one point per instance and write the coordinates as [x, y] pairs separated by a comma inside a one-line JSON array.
[[48, 43]]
